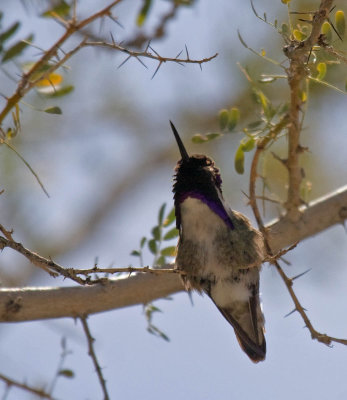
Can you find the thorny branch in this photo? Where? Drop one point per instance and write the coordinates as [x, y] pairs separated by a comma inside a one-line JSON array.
[[38, 392], [54, 269], [297, 54], [28, 80], [92, 354]]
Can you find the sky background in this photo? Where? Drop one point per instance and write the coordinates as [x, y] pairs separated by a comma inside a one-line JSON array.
[[115, 125]]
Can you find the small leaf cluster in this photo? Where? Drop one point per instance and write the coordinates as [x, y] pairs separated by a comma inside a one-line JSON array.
[[160, 233], [9, 52]]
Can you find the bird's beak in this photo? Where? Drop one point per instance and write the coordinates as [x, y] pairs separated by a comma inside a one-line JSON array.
[[183, 151]]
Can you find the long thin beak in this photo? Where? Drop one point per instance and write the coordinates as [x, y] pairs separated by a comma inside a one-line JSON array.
[[183, 151]]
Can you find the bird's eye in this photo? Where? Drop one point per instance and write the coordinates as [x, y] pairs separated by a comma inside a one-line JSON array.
[[208, 162]]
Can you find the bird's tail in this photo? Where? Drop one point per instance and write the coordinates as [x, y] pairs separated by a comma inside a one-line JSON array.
[[239, 303]]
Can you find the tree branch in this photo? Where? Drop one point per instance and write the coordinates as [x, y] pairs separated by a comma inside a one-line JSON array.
[[29, 304], [92, 354], [38, 392], [298, 53]]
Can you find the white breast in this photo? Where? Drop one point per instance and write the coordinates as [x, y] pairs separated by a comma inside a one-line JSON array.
[[200, 225]]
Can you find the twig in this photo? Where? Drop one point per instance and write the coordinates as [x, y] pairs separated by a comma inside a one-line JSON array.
[[297, 53], [129, 270], [92, 354], [38, 392], [55, 269]]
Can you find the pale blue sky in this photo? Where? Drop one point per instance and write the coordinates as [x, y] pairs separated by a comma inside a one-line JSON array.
[[203, 359]]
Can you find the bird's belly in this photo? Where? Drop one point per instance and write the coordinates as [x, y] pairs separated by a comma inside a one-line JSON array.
[[204, 234]]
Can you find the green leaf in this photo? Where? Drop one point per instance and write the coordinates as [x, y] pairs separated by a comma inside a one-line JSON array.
[[142, 243], [263, 101], [169, 251], [67, 373], [161, 260], [254, 125], [62, 9], [9, 32], [298, 35], [170, 218], [223, 116], [198, 138], [322, 70], [135, 253], [61, 91], [340, 22], [248, 145], [285, 30], [171, 234], [212, 136], [234, 117], [326, 30], [240, 160], [141, 18], [53, 110], [152, 245], [17, 49], [156, 233], [161, 214], [151, 308]]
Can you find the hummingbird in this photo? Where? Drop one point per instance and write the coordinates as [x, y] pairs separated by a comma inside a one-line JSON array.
[[219, 252]]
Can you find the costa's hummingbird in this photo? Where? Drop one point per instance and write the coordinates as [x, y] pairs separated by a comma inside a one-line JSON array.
[[219, 251]]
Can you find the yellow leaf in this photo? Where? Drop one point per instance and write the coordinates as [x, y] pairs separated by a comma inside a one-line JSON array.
[[52, 80], [298, 35], [326, 30], [322, 70], [340, 22]]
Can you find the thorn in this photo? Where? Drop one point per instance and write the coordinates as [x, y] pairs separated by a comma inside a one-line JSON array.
[[190, 295], [300, 275], [332, 9], [112, 38], [290, 313], [285, 261], [187, 52], [148, 45], [332, 25], [281, 160], [179, 54], [122, 63], [309, 21], [140, 61], [200, 67], [245, 194], [114, 19], [155, 73], [151, 48]]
